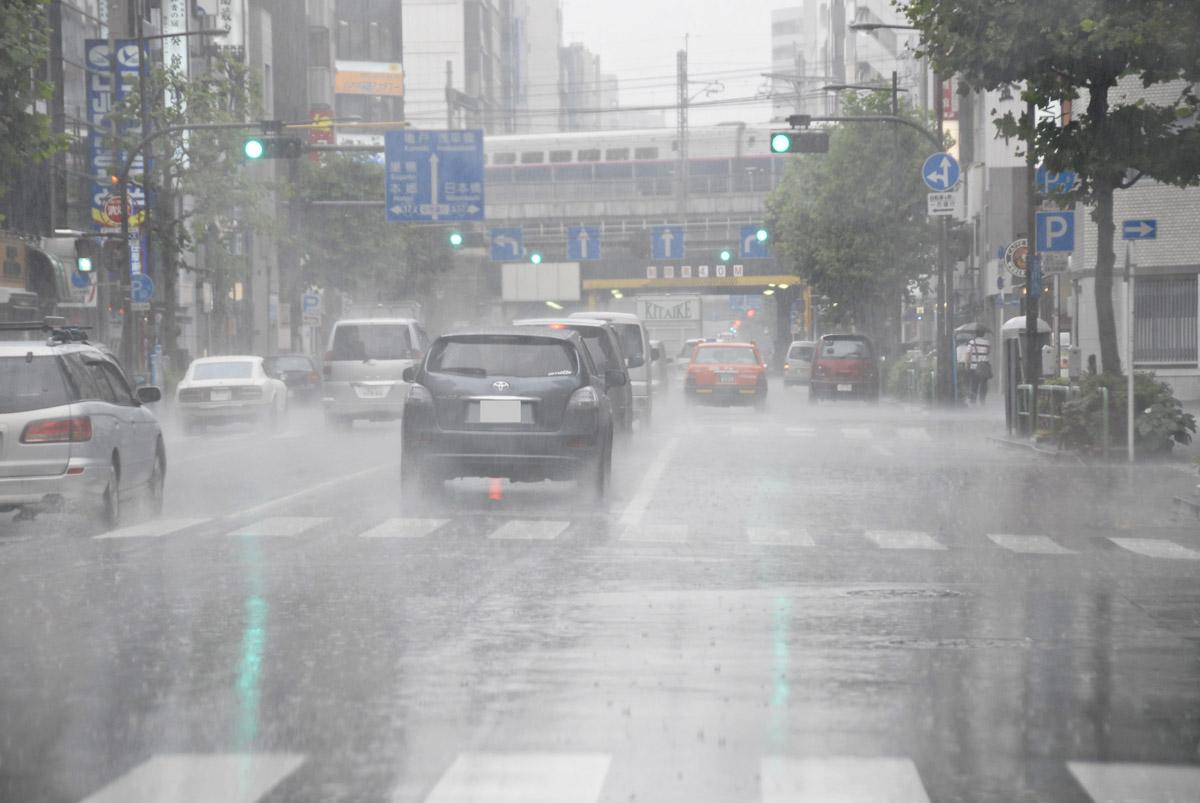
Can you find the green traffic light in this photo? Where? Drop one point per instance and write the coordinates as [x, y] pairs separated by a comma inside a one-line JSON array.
[[535, 258], [781, 143], [254, 148], [761, 235], [83, 264], [726, 255], [456, 239]]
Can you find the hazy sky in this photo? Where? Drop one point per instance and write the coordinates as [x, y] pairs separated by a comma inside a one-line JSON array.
[[637, 40]]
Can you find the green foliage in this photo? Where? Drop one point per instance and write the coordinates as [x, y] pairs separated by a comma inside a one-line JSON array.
[[1159, 419], [24, 132], [852, 222]]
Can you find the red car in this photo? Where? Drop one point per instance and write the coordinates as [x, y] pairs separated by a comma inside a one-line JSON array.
[[844, 367], [726, 371]]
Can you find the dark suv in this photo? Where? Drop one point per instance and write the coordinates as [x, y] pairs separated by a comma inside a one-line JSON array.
[[522, 403], [844, 367]]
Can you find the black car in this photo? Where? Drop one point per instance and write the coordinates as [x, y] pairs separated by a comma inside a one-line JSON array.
[[522, 403], [299, 372]]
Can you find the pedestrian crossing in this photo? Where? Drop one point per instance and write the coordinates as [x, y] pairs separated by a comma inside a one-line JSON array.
[[501, 529], [581, 777]]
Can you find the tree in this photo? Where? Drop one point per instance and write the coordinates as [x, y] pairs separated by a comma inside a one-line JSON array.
[[852, 222], [25, 135], [1081, 49]]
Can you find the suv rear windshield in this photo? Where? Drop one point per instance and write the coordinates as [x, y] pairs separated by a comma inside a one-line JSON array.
[[31, 384], [800, 353], [845, 348], [376, 341], [631, 339], [289, 364], [725, 354], [223, 370], [503, 356], [598, 346]]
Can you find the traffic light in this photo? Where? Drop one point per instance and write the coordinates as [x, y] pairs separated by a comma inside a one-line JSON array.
[[725, 255], [115, 256], [272, 147], [456, 239], [87, 254], [799, 142], [535, 258], [750, 313], [761, 234]]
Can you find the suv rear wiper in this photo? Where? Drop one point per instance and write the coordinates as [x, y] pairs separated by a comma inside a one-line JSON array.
[[464, 371]]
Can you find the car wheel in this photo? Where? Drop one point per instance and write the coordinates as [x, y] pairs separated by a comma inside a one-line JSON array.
[[110, 502], [813, 396], [417, 483], [598, 473], [157, 483], [760, 403]]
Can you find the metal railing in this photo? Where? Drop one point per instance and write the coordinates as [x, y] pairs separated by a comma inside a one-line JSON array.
[[1051, 400]]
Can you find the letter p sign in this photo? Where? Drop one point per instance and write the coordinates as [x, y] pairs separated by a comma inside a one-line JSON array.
[[1055, 231]]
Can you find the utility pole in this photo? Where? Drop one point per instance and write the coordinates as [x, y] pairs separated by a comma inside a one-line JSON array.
[[682, 115], [1033, 275], [945, 327]]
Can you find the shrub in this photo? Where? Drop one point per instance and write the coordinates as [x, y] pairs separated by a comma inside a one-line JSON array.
[[1159, 421]]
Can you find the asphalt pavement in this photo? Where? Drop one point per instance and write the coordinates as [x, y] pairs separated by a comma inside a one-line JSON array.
[[841, 602]]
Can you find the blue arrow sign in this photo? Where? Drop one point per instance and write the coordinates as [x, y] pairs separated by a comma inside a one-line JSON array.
[[1049, 183], [1144, 229], [666, 242], [940, 172], [507, 244], [750, 247], [434, 175], [583, 243], [141, 288], [1055, 231]]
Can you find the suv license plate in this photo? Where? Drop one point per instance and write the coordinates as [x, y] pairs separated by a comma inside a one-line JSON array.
[[727, 379], [220, 394], [845, 388], [372, 391], [500, 411]]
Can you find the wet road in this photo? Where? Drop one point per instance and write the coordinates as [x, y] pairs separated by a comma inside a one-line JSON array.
[[833, 603]]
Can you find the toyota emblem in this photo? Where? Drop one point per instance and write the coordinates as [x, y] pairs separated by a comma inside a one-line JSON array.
[[501, 386]]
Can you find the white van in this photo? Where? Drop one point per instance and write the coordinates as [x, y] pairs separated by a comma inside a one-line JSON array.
[[635, 346], [364, 368]]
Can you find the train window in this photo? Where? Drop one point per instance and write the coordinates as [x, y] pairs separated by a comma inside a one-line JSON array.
[[560, 156], [616, 155], [645, 153], [589, 155], [533, 157], [504, 158]]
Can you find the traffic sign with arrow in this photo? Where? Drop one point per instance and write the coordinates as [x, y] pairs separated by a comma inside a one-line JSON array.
[[752, 245], [940, 172], [1143, 229], [583, 242], [507, 244], [434, 175], [666, 242]]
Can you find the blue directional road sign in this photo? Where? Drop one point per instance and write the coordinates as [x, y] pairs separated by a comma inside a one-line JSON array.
[[666, 242], [1055, 231], [940, 172], [310, 303], [583, 243], [1050, 183], [507, 243], [750, 247], [434, 175], [81, 281], [1144, 229], [141, 288]]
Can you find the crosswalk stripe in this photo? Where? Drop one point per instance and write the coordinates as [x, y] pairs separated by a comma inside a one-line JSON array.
[[1030, 544], [1157, 548], [530, 530], [280, 526], [903, 539], [150, 529], [197, 778], [524, 777], [841, 779], [801, 432], [1145, 783], [914, 434], [772, 536], [856, 433], [656, 534], [404, 528]]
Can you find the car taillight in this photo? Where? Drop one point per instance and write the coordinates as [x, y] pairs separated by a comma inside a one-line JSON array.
[[248, 392], [58, 430], [787, 366], [585, 398], [327, 368], [313, 377], [419, 395]]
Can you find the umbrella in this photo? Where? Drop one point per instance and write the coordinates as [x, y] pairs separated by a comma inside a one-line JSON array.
[[970, 328]]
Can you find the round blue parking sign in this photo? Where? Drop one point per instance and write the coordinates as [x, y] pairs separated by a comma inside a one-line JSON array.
[[141, 288]]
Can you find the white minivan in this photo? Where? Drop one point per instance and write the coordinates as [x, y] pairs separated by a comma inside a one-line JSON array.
[[364, 368], [635, 347]]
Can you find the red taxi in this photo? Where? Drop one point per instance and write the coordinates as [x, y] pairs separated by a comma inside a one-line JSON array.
[[727, 372]]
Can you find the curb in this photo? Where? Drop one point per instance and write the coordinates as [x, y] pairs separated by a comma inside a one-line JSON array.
[[1053, 454]]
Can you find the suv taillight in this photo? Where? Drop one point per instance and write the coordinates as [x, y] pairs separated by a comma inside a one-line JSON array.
[[58, 430]]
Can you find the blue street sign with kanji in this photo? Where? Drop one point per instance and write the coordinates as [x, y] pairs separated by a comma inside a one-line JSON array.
[[141, 288], [1034, 276], [940, 172], [1049, 183], [1055, 231], [583, 243], [666, 242], [434, 175], [507, 244], [1144, 229], [750, 247]]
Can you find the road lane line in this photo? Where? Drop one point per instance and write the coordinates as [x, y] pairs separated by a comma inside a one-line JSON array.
[[403, 528], [772, 536], [523, 778], [280, 526], [914, 434], [529, 530], [856, 433], [841, 779], [1152, 783], [310, 490], [903, 539], [655, 534], [636, 509], [1157, 548], [151, 529], [196, 778], [801, 432], [1029, 544]]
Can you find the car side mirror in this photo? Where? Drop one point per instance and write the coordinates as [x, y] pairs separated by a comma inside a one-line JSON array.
[[410, 373], [148, 394], [635, 362], [615, 378]]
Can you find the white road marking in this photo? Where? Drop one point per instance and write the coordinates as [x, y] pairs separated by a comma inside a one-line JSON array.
[[841, 779], [637, 506], [1030, 544], [196, 778], [914, 434], [856, 433], [1157, 548], [881, 450], [1143, 783], [304, 493], [403, 528], [522, 778], [801, 432], [779, 537], [530, 530], [151, 529], [280, 526], [656, 534], [903, 539]]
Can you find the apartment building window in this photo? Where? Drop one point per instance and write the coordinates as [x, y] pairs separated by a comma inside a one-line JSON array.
[[1165, 312], [368, 30]]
